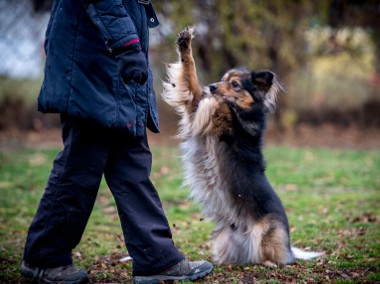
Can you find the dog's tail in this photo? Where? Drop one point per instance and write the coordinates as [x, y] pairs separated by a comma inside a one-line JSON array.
[[306, 255]]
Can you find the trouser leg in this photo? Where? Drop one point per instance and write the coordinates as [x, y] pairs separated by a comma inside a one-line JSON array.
[[146, 230], [69, 197]]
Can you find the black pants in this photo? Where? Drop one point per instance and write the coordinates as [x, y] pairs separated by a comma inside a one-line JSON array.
[[63, 212]]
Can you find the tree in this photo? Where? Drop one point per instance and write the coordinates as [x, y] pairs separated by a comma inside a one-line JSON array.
[[366, 14], [257, 34]]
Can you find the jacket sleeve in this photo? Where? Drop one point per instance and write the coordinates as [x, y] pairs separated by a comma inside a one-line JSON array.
[[115, 25]]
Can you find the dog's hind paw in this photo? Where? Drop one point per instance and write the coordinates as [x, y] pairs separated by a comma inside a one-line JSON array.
[[269, 264], [185, 37]]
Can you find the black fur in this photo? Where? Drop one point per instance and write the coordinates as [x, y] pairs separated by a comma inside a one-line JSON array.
[[246, 172]]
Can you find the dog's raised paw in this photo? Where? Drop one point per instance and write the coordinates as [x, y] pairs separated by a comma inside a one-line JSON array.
[[184, 38]]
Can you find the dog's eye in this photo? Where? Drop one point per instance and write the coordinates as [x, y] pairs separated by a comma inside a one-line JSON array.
[[235, 85]]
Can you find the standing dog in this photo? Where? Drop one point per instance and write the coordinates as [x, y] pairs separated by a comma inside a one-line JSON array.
[[222, 127]]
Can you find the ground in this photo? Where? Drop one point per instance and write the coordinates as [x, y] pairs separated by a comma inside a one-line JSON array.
[[108, 268], [324, 136]]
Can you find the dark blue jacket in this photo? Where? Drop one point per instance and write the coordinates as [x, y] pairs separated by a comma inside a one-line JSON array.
[[81, 73]]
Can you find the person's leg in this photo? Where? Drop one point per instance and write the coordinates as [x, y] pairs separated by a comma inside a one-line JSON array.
[[146, 230], [69, 197]]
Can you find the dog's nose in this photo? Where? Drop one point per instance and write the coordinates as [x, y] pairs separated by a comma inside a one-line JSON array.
[[213, 88]]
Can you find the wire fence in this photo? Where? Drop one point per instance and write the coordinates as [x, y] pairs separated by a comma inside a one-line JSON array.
[[22, 30]]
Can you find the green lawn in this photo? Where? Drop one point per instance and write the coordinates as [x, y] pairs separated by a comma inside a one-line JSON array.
[[332, 199]]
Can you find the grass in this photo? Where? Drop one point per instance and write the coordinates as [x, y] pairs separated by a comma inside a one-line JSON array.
[[332, 199]]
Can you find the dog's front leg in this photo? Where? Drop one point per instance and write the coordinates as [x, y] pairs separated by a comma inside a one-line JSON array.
[[189, 71]]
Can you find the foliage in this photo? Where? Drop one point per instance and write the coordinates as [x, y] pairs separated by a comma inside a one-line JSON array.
[[17, 102], [327, 59], [269, 34], [331, 197], [257, 34]]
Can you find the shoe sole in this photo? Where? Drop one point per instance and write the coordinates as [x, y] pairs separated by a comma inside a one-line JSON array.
[[157, 279], [27, 272], [47, 281]]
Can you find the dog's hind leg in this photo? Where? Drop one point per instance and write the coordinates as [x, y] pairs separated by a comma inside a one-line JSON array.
[[275, 245]]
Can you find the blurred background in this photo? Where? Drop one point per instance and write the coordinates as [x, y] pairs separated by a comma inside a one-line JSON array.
[[327, 54]]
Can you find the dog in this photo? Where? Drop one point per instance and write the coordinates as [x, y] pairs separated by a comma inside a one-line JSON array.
[[221, 129]]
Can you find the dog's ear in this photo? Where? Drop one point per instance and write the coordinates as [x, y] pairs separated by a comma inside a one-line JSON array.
[[268, 83], [262, 79]]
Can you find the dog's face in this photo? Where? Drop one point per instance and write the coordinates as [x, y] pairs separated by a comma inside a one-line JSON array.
[[247, 89], [248, 94]]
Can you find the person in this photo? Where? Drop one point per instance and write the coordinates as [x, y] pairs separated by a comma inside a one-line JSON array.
[[97, 77]]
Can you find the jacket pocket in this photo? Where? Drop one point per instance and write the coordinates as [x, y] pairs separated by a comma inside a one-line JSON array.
[[126, 109]]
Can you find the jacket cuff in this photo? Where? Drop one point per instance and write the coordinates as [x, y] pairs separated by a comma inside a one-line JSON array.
[[132, 45]]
